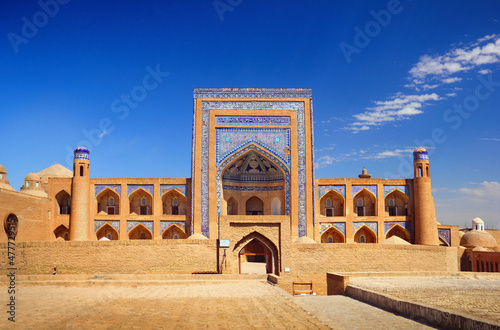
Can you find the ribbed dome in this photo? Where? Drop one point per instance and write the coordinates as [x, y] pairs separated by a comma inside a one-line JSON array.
[[32, 177], [475, 238], [2, 169], [420, 154]]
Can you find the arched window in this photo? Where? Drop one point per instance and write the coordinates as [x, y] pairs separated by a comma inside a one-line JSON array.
[[143, 201], [111, 206], [27, 184], [362, 239], [329, 239], [392, 208], [175, 236], [81, 170], [175, 205], [360, 209], [66, 236], [328, 202], [111, 201], [329, 208]]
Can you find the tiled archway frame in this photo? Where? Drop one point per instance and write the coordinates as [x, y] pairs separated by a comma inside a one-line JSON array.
[[251, 105]]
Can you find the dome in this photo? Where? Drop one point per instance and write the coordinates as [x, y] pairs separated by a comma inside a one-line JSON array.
[[2, 169], [477, 221], [197, 236], [475, 238], [82, 153], [82, 149], [420, 154], [32, 177], [304, 240]]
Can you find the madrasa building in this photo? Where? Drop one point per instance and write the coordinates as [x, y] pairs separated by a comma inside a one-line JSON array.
[[252, 195]]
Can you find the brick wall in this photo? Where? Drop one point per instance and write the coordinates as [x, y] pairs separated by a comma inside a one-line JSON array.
[[311, 262], [114, 257]]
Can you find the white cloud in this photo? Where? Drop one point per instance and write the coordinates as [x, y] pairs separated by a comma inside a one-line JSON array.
[[490, 139], [485, 71], [324, 161], [487, 191], [485, 50], [398, 108], [390, 153], [451, 80], [451, 94]]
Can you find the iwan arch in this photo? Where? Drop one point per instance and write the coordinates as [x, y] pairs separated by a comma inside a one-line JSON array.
[[252, 191]]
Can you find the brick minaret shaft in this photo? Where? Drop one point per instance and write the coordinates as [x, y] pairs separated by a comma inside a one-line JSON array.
[[426, 232], [80, 189]]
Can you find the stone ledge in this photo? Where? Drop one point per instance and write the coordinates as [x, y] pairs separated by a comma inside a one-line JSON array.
[[438, 316]]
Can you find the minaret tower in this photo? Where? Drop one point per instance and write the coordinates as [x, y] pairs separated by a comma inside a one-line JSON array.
[[426, 232], [80, 192]]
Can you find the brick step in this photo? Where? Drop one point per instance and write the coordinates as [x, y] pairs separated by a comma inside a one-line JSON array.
[[139, 279]]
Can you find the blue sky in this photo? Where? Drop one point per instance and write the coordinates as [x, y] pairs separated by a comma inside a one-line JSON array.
[[387, 76]]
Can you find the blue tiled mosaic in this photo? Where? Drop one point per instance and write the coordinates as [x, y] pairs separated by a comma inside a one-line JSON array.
[[372, 225], [274, 140], [405, 224], [445, 234], [253, 93], [133, 187], [115, 187], [402, 188], [147, 224], [252, 120], [338, 225], [246, 188], [322, 190], [182, 188], [165, 224], [371, 188], [113, 223]]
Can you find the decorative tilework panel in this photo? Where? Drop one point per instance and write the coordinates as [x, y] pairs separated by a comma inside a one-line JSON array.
[[113, 223], [322, 190], [252, 105], [132, 187], [445, 234], [253, 120], [405, 224], [403, 188], [115, 187], [246, 188], [147, 224], [165, 224], [275, 140], [182, 188], [372, 188], [372, 225], [251, 93], [325, 225]]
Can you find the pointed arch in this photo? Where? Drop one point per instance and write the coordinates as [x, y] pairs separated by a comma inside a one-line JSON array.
[[173, 232], [62, 231], [369, 235], [399, 204], [135, 202], [232, 206], [254, 206], [274, 159], [336, 205], [103, 201], [140, 232], [271, 259], [63, 200], [168, 200], [368, 206], [399, 231], [276, 206], [107, 231], [332, 235]]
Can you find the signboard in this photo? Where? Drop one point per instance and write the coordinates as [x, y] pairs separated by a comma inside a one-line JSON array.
[[224, 243]]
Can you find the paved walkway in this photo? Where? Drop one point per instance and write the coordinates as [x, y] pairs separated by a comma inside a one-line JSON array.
[[236, 304]]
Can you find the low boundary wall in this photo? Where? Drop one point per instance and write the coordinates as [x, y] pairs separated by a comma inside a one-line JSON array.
[[113, 257]]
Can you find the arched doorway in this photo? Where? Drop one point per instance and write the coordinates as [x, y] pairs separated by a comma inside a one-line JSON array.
[[173, 232], [140, 232], [108, 232], [254, 206], [365, 235], [257, 255], [332, 235], [62, 231], [398, 231], [255, 258]]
